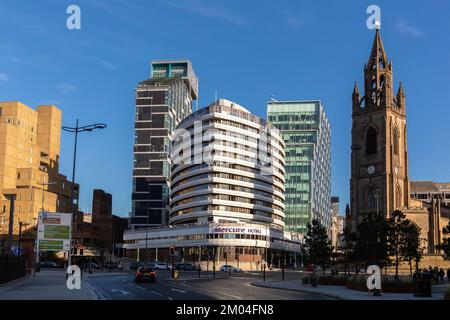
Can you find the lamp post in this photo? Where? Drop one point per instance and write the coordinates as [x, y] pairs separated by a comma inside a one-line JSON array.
[[78, 129]]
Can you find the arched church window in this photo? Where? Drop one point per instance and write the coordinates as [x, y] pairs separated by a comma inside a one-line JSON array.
[[382, 81], [395, 142], [398, 198], [372, 198], [381, 63], [371, 141]]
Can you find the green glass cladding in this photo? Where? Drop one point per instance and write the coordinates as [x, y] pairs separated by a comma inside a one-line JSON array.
[[306, 133]]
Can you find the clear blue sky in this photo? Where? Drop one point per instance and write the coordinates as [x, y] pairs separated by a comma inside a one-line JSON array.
[[246, 50]]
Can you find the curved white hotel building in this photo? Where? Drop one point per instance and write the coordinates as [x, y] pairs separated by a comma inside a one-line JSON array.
[[227, 194]]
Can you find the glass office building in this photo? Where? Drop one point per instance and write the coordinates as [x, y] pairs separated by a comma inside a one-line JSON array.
[[162, 102], [306, 132]]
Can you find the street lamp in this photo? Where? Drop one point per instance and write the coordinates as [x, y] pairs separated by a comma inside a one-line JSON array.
[[77, 129]]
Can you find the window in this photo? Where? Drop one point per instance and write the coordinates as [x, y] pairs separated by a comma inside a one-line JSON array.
[[399, 197], [371, 141], [372, 198], [395, 142]]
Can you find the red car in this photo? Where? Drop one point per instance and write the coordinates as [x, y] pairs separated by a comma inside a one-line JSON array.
[[309, 268], [145, 274]]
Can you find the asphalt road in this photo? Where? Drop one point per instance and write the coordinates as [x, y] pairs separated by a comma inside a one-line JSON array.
[[237, 287]]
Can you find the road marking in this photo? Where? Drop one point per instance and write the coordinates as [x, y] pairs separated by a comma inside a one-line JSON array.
[[159, 294], [170, 298], [135, 285], [121, 291], [178, 290], [230, 295]]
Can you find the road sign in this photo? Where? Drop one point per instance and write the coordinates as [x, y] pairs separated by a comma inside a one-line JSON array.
[[54, 231]]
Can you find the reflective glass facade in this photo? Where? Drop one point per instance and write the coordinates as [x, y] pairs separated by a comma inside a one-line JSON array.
[[306, 133]]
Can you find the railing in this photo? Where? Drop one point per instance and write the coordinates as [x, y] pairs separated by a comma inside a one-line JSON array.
[[12, 268]]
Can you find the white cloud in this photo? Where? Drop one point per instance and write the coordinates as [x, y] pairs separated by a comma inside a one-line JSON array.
[[4, 77], [406, 28], [218, 11], [65, 88], [106, 64], [294, 22]]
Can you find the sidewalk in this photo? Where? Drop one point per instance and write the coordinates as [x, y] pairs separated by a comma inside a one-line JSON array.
[[342, 293], [46, 285]]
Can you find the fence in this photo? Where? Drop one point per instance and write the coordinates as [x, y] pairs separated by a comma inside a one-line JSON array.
[[12, 268]]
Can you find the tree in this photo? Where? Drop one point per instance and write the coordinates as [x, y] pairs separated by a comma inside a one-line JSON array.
[[371, 243], [317, 244], [398, 228], [347, 248], [445, 245], [410, 249]]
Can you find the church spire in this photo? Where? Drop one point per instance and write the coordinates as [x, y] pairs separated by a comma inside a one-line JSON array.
[[355, 89], [378, 76], [378, 57]]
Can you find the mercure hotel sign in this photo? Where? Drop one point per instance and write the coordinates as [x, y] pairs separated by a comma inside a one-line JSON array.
[[245, 230]]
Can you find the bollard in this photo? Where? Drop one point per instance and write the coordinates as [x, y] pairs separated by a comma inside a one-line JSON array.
[[198, 273], [264, 273], [282, 272]]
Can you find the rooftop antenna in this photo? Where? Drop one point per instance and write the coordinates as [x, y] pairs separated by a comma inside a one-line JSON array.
[[215, 98], [272, 98]]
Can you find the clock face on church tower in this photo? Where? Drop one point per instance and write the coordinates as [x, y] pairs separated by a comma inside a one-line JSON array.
[[371, 169]]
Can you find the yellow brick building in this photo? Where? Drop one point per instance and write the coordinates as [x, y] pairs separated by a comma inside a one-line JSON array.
[[29, 163]]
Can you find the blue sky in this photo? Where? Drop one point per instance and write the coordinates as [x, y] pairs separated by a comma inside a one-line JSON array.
[[244, 50]]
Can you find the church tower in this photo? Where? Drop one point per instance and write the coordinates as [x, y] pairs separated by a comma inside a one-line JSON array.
[[379, 157]]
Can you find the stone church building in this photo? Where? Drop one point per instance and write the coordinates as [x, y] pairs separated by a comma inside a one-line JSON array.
[[379, 157]]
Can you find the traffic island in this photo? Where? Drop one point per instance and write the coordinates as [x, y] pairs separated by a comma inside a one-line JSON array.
[[447, 294], [344, 293]]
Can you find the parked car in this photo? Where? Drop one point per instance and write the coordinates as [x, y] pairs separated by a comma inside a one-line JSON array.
[[136, 265], [111, 265], [186, 267], [145, 274], [90, 265], [48, 264], [230, 268], [310, 268], [159, 265]]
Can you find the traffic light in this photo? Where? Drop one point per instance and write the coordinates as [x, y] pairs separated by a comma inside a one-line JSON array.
[[172, 250]]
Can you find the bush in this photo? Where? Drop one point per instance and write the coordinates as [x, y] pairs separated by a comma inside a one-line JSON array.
[[447, 294], [388, 284], [12, 268], [327, 280]]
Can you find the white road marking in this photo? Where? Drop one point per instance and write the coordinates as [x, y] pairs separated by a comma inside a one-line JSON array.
[[177, 290], [159, 294], [121, 291], [230, 295], [170, 298]]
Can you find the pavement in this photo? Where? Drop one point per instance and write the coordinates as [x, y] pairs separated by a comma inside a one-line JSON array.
[[46, 285], [342, 293]]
